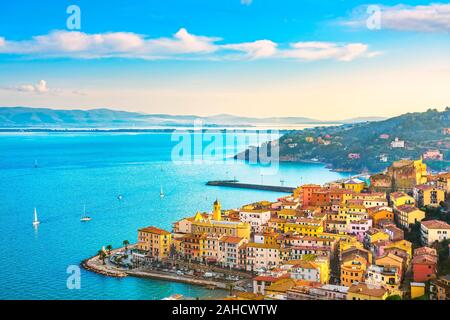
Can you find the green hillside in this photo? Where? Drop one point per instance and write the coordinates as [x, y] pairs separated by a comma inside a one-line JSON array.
[[371, 140]]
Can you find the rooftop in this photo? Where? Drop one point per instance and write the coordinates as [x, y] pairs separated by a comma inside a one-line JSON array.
[[435, 224], [154, 230]]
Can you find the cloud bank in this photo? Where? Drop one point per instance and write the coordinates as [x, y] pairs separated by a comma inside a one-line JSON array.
[[434, 17], [182, 45]]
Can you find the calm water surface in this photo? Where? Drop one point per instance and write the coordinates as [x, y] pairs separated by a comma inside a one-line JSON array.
[[92, 169]]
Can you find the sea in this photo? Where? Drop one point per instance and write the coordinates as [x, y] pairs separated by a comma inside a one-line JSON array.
[[61, 173]]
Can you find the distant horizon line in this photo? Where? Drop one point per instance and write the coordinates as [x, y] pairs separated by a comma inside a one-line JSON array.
[[337, 121]]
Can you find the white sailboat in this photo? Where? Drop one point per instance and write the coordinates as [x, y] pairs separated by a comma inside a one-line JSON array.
[[161, 193], [35, 221], [85, 218]]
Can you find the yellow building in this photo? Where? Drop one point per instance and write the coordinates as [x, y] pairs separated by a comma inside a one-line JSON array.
[[417, 289], [362, 291], [287, 214], [426, 195], [373, 235], [304, 227], [356, 185], [404, 245], [408, 214], [407, 174], [379, 215], [215, 225], [400, 198], [350, 242], [155, 241]]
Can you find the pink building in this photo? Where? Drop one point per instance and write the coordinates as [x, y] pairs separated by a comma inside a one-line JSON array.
[[354, 156], [433, 155], [359, 228]]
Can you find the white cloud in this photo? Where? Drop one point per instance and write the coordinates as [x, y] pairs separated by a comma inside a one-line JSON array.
[[40, 87], [255, 50], [434, 17], [182, 45], [113, 44], [311, 51]]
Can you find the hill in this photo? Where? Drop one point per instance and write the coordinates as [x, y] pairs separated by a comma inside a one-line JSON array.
[[25, 117], [368, 146]]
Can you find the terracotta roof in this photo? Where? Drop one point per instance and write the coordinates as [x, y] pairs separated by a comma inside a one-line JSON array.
[[435, 224], [362, 288], [154, 230], [407, 208], [425, 250], [229, 239], [398, 194], [424, 259]]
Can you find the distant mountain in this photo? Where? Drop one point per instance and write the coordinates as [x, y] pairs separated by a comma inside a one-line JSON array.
[[367, 146], [25, 117]]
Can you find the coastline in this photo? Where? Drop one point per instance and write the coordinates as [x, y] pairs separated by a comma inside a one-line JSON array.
[[94, 264]]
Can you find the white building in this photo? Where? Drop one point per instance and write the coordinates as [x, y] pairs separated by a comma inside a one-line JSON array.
[[434, 230], [256, 218], [262, 256], [397, 143]]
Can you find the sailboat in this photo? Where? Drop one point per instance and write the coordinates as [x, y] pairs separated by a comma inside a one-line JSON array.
[[85, 218], [35, 221], [161, 193]]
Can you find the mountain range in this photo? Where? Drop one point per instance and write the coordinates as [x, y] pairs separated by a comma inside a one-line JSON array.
[[27, 117]]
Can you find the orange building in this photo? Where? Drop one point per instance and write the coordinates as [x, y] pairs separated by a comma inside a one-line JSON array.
[[307, 191], [378, 215], [353, 270]]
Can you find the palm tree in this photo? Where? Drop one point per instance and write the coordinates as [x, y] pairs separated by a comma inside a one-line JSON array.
[[230, 287], [109, 248], [126, 243], [102, 255]]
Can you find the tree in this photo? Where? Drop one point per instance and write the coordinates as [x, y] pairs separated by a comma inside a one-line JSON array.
[[102, 256], [109, 248], [230, 287], [126, 243]]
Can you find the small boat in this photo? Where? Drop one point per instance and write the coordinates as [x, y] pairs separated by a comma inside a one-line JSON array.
[[120, 197], [161, 193], [35, 221], [85, 218], [35, 164]]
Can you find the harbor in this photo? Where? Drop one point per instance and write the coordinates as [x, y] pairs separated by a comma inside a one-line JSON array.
[[237, 184]]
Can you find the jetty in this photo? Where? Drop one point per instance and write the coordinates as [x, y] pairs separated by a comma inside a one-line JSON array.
[[237, 184]]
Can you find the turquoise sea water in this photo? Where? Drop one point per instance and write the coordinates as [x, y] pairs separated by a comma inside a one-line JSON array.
[[77, 169]]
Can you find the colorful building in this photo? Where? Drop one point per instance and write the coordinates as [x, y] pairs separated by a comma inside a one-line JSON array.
[[156, 242], [407, 215], [353, 270], [434, 231], [363, 291], [426, 195]]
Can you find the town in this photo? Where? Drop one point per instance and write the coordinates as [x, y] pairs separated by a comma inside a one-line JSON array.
[[385, 238]]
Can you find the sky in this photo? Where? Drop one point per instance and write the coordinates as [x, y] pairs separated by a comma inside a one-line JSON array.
[[323, 59]]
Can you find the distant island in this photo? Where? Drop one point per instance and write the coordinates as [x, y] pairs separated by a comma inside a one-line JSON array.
[[44, 118], [373, 146]]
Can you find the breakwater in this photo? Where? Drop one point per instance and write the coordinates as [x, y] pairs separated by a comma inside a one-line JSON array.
[[237, 184]]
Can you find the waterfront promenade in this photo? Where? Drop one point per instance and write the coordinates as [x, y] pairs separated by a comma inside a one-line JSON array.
[[110, 269]]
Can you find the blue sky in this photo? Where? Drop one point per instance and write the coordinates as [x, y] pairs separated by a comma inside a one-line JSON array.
[[259, 58]]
